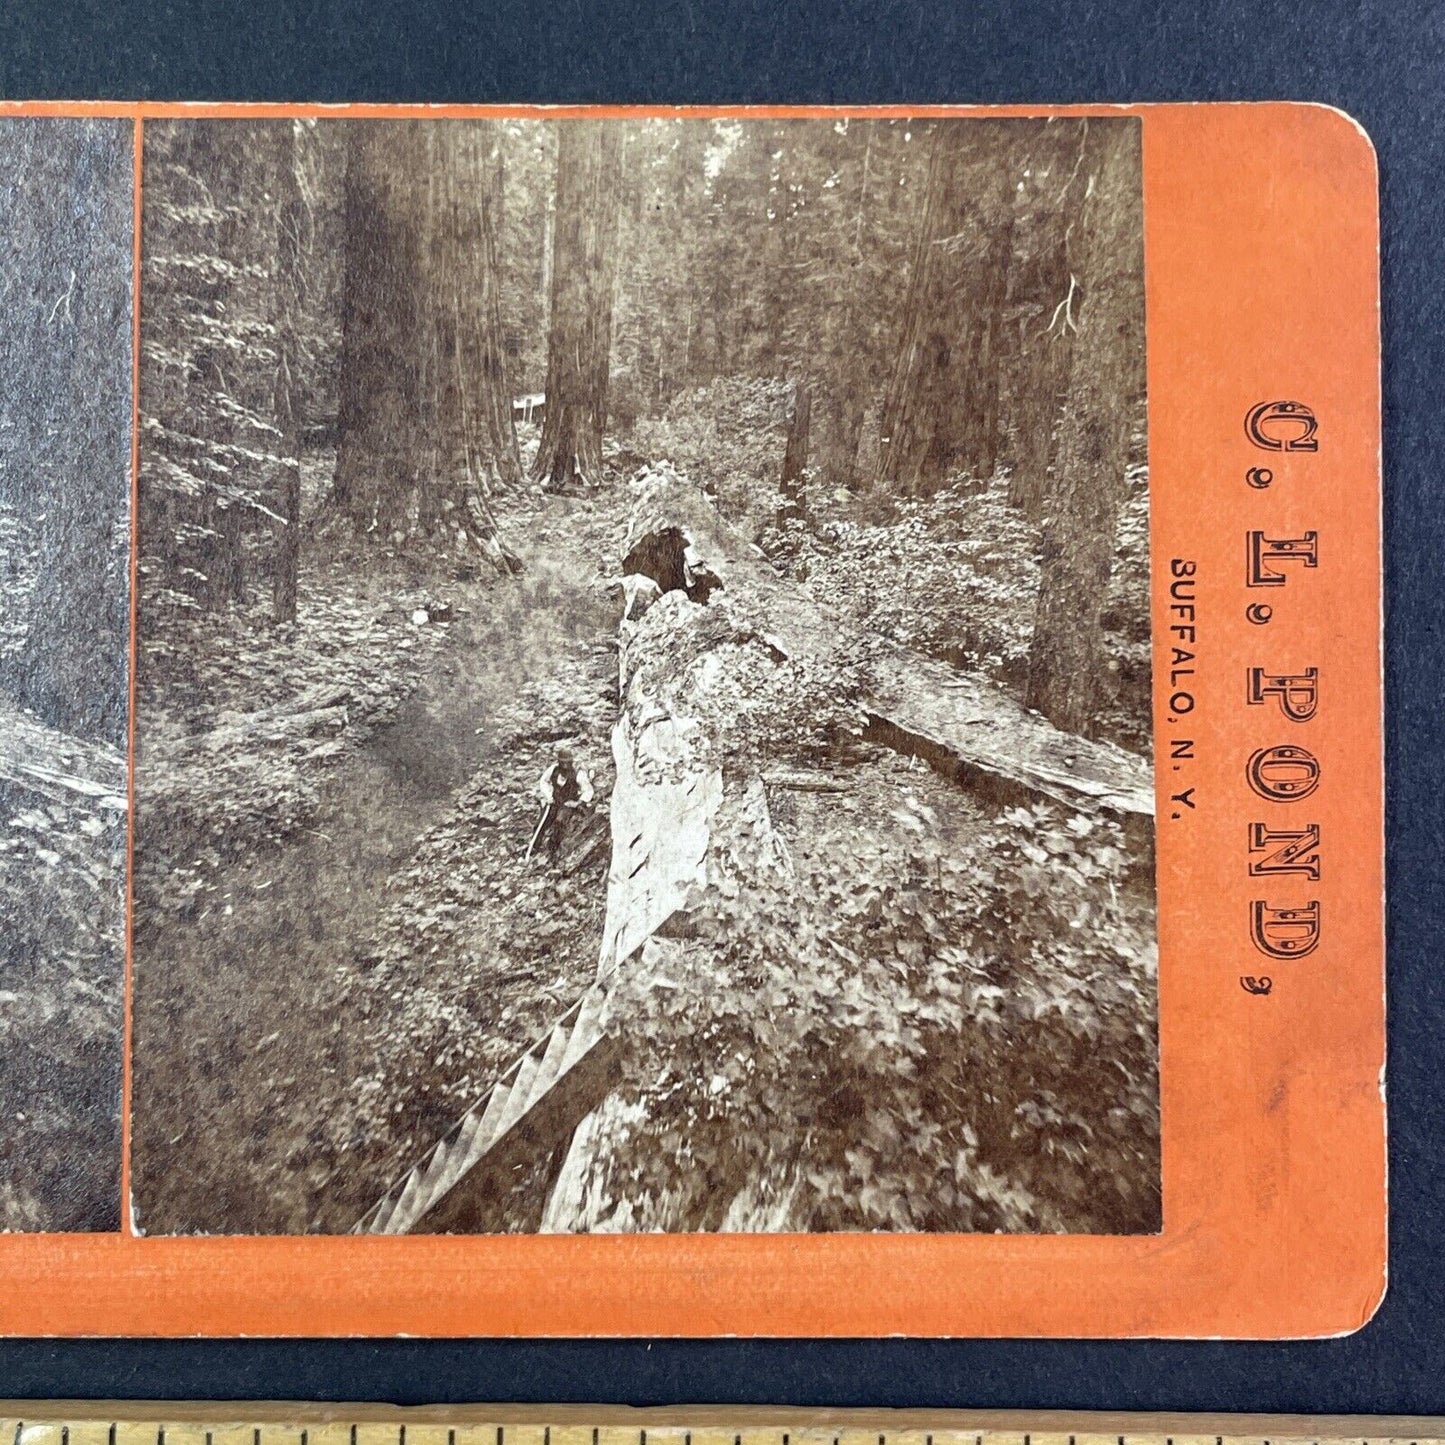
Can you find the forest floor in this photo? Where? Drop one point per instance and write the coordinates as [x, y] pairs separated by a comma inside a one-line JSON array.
[[62, 874], [352, 801], [383, 870]]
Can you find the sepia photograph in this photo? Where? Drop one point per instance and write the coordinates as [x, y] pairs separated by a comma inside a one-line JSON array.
[[66, 273], [643, 714]]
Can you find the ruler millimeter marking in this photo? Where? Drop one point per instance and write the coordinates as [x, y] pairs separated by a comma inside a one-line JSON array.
[[235, 1424]]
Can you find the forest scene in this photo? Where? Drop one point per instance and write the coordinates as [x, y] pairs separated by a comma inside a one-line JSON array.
[[66, 247], [644, 687]]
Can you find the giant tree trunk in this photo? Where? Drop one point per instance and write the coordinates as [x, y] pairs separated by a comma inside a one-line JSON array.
[[383, 334], [941, 411], [990, 342], [473, 399], [1036, 412], [1107, 380], [589, 170], [287, 403], [425, 411], [846, 383], [65, 355], [1044, 347]]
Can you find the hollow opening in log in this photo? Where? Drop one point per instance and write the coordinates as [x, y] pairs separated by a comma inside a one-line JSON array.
[[663, 556]]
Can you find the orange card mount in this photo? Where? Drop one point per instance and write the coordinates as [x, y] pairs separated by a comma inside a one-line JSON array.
[[758, 721]]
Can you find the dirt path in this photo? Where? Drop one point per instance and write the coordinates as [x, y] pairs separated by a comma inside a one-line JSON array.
[[258, 1024]]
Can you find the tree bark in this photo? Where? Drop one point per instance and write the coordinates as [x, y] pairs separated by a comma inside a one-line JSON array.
[[65, 359], [839, 429], [473, 396], [589, 167], [1107, 379], [941, 411], [847, 380], [225, 554], [288, 290], [1045, 342], [382, 332], [1036, 417], [425, 413], [989, 345], [795, 452]]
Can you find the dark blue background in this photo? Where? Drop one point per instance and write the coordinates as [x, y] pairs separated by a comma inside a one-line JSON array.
[[1380, 61]]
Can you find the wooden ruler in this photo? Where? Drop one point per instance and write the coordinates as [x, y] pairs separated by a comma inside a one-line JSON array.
[[93, 1423]]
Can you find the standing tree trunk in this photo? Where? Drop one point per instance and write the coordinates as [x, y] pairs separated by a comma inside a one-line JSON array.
[[1107, 379], [1045, 342], [840, 428], [425, 413], [495, 391], [471, 398], [383, 332], [768, 256], [904, 423], [941, 411], [288, 291], [1036, 416], [989, 344], [65, 365], [226, 570], [795, 453], [722, 306], [846, 383], [589, 173]]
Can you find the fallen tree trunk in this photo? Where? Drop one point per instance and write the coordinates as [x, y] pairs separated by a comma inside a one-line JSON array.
[[58, 766], [663, 805], [689, 672], [312, 721], [736, 687], [733, 697], [960, 723]]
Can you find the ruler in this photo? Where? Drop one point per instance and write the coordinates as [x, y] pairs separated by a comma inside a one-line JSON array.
[[92, 1423]]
